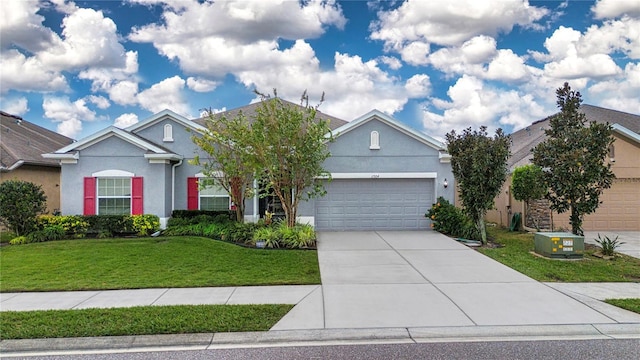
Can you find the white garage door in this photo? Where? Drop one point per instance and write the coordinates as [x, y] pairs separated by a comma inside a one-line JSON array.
[[375, 204]]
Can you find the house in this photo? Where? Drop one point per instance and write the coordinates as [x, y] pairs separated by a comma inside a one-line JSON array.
[[21, 146], [620, 204], [385, 175]]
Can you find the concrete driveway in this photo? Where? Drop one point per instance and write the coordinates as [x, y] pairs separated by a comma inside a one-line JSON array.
[[422, 279], [631, 240]]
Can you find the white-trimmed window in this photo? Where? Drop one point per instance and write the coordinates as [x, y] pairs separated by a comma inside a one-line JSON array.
[[213, 196], [114, 196], [375, 140], [168, 133]]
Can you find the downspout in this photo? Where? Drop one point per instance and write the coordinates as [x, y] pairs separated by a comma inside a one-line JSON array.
[[256, 211], [173, 184]]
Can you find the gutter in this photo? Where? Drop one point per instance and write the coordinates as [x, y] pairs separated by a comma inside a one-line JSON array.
[[15, 165]]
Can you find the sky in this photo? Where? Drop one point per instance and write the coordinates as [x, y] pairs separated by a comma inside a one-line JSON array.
[[76, 67]]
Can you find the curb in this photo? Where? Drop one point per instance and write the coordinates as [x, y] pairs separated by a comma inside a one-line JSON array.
[[110, 344]]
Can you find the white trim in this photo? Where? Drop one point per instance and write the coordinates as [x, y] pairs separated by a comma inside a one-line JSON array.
[[619, 129], [165, 156], [105, 134], [113, 173], [386, 175], [167, 132], [374, 140], [74, 156], [444, 157], [163, 222], [165, 114]]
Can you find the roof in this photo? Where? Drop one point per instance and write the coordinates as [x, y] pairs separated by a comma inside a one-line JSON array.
[[161, 116], [380, 116], [22, 143], [524, 140], [250, 111]]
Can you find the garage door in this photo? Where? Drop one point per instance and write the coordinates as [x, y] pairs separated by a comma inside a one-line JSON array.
[[375, 204]]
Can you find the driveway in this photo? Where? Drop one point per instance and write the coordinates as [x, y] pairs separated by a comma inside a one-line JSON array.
[[422, 279], [631, 240]]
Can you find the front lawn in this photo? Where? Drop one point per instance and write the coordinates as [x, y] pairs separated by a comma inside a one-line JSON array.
[[516, 254], [628, 304], [144, 320], [93, 264]]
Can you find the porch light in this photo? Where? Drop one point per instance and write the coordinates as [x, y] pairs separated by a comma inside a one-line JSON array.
[[445, 183]]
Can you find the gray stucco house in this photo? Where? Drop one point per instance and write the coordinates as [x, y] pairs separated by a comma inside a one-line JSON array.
[[385, 174]]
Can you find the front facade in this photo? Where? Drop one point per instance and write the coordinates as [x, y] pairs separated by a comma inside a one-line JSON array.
[[619, 209], [385, 175]]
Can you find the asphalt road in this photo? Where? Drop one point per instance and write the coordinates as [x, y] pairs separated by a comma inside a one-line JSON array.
[[556, 350]]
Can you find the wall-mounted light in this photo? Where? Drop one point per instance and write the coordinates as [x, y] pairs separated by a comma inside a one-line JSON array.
[[445, 183]]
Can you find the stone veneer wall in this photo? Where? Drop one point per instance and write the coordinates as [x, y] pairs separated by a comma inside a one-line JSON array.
[[539, 211]]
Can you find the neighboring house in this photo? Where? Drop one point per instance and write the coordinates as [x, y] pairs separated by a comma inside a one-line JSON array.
[[21, 146], [385, 175], [620, 204]]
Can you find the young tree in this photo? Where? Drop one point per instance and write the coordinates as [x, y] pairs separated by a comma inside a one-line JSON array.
[[230, 165], [289, 146], [527, 185], [20, 203], [573, 159], [479, 165]]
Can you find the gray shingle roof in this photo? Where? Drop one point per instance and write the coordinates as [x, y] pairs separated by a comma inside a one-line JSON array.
[[22, 141], [250, 110], [524, 140]]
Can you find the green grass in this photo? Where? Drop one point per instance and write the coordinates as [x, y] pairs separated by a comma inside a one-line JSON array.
[[93, 264], [145, 320], [516, 254], [629, 304]]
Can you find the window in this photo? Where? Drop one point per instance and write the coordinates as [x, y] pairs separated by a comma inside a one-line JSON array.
[[114, 196], [168, 133], [210, 195], [375, 140], [612, 153]]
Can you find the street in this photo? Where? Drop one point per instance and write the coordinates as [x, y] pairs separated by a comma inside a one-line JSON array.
[[557, 350]]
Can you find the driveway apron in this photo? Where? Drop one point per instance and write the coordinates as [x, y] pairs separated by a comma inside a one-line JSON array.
[[423, 278]]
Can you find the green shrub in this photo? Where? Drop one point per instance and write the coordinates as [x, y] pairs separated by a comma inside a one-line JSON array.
[[144, 225], [19, 240], [449, 220], [269, 235], [54, 232], [239, 232], [71, 224], [188, 214], [21, 203]]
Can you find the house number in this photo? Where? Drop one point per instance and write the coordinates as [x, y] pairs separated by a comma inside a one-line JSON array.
[[375, 176]]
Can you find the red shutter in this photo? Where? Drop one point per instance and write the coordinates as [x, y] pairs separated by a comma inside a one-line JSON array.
[[136, 196], [192, 193], [89, 196]]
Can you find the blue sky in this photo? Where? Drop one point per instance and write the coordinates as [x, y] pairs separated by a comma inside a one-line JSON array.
[[436, 65]]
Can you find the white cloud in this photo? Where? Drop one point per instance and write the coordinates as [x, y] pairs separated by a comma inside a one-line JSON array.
[[612, 36], [100, 101], [14, 106], [392, 62], [614, 8], [22, 26], [125, 120], [415, 53], [473, 103], [68, 114], [22, 73], [167, 94], [418, 86], [123, 92], [451, 23], [238, 36], [201, 85], [619, 94], [573, 67]]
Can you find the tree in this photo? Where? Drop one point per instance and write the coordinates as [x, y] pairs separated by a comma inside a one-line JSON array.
[[573, 159], [479, 165], [230, 165], [289, 146], [20, 203], [527, 185]]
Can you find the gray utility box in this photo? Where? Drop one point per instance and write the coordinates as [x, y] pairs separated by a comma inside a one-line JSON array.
[[559, 244]]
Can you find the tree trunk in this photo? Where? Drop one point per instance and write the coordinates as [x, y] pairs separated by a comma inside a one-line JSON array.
[[576, 222], [482, 230]]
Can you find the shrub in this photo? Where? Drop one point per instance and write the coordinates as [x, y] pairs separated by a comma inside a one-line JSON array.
[[239, 232], [448, 219], [21, 201], [144, 225], [53, 232], [608, 245], [269, 235], [19, 240], [188, 214], [71, 224]]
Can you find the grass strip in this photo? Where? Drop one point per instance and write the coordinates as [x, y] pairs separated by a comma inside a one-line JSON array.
[[182, 261], [627, 304], [517, 253], [143, 320]]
